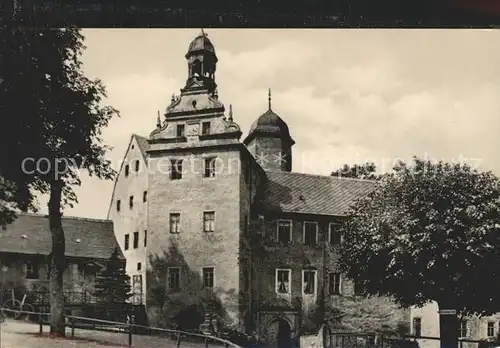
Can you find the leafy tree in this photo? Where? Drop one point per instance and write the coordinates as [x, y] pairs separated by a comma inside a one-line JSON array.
[[366, 171], [51, 129], [112, 285], [423, 234]]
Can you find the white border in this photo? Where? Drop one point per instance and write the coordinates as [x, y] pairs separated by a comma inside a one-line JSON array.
[[315, 292], [203, 279], [289, 281], [304, 231], [168, 277], [278, 229]]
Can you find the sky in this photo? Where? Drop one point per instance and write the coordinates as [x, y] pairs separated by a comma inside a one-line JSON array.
[[348, 96]]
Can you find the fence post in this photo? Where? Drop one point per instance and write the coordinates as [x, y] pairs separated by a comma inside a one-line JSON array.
[[206, 342], [381, 341], [40, 320], [72, 320], [178, 339], [130, 333]]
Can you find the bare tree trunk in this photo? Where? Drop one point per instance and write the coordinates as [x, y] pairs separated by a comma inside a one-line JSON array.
[[58, 262], [448, 326]]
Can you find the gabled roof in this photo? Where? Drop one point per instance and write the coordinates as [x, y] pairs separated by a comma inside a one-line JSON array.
[[312, 194], [88, 238], [143, 145]]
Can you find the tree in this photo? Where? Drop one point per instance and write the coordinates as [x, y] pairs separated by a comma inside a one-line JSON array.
[[112, 287], [367, 171], [51, 129], [422, 235]]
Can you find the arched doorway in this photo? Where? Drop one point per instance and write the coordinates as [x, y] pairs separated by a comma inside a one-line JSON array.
[[284, 334]]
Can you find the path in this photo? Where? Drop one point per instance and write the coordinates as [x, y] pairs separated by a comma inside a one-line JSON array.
[[19, 334]]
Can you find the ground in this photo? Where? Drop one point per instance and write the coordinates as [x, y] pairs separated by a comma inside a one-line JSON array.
[[18, 334]]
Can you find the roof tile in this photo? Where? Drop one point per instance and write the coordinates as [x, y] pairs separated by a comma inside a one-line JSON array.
[[312, 194], [96, 237]]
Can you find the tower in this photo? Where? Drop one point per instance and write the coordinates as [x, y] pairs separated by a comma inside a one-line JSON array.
[[202, 62], [194, 216], [269, 141]]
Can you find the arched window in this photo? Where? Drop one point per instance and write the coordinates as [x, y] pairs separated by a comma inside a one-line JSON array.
[[196, 68]]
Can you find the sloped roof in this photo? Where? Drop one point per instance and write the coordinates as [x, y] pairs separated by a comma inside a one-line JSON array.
[[97, 238], [312, 194], [269, 123], [143, 145]]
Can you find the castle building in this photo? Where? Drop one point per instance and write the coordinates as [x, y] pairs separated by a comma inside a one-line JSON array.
[[207, 220]]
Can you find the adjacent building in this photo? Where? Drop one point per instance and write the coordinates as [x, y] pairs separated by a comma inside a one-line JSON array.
[[25, 246], [425, 323], [225, 224]]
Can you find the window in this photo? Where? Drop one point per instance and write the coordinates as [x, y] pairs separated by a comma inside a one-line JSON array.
[[127, 169], [175, 223], [137, 283], [145, 238], [137, 165], [208, 277], [32, 270], [417, 327], [176, 173], [464, 329], [205, 128], [131, 202], [145, 196], [136, 240], [334, 234], [334, 283], [127, 239], [490, 331], [180, 130], [174, 279], [309, 282], [208, 221], [358, 288], [284, 231], [310, 233], [283, 281], [118, 205], [209, 167], [139, 266]]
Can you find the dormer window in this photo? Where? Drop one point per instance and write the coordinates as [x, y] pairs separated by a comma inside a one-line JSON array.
[[181, 130], [127, 169]]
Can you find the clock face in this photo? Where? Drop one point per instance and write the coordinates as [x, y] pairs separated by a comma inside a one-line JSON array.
[[193, 129]]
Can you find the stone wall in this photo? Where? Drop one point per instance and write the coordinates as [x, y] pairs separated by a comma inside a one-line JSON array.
[[344, 310], [131, 219], [75, 278], [192, 249]]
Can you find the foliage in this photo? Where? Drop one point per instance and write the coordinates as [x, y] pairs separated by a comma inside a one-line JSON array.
[[423, 233], [369, 314], [54, 113], [367, 171], [184, 308], [112, 285], [51, 130]]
